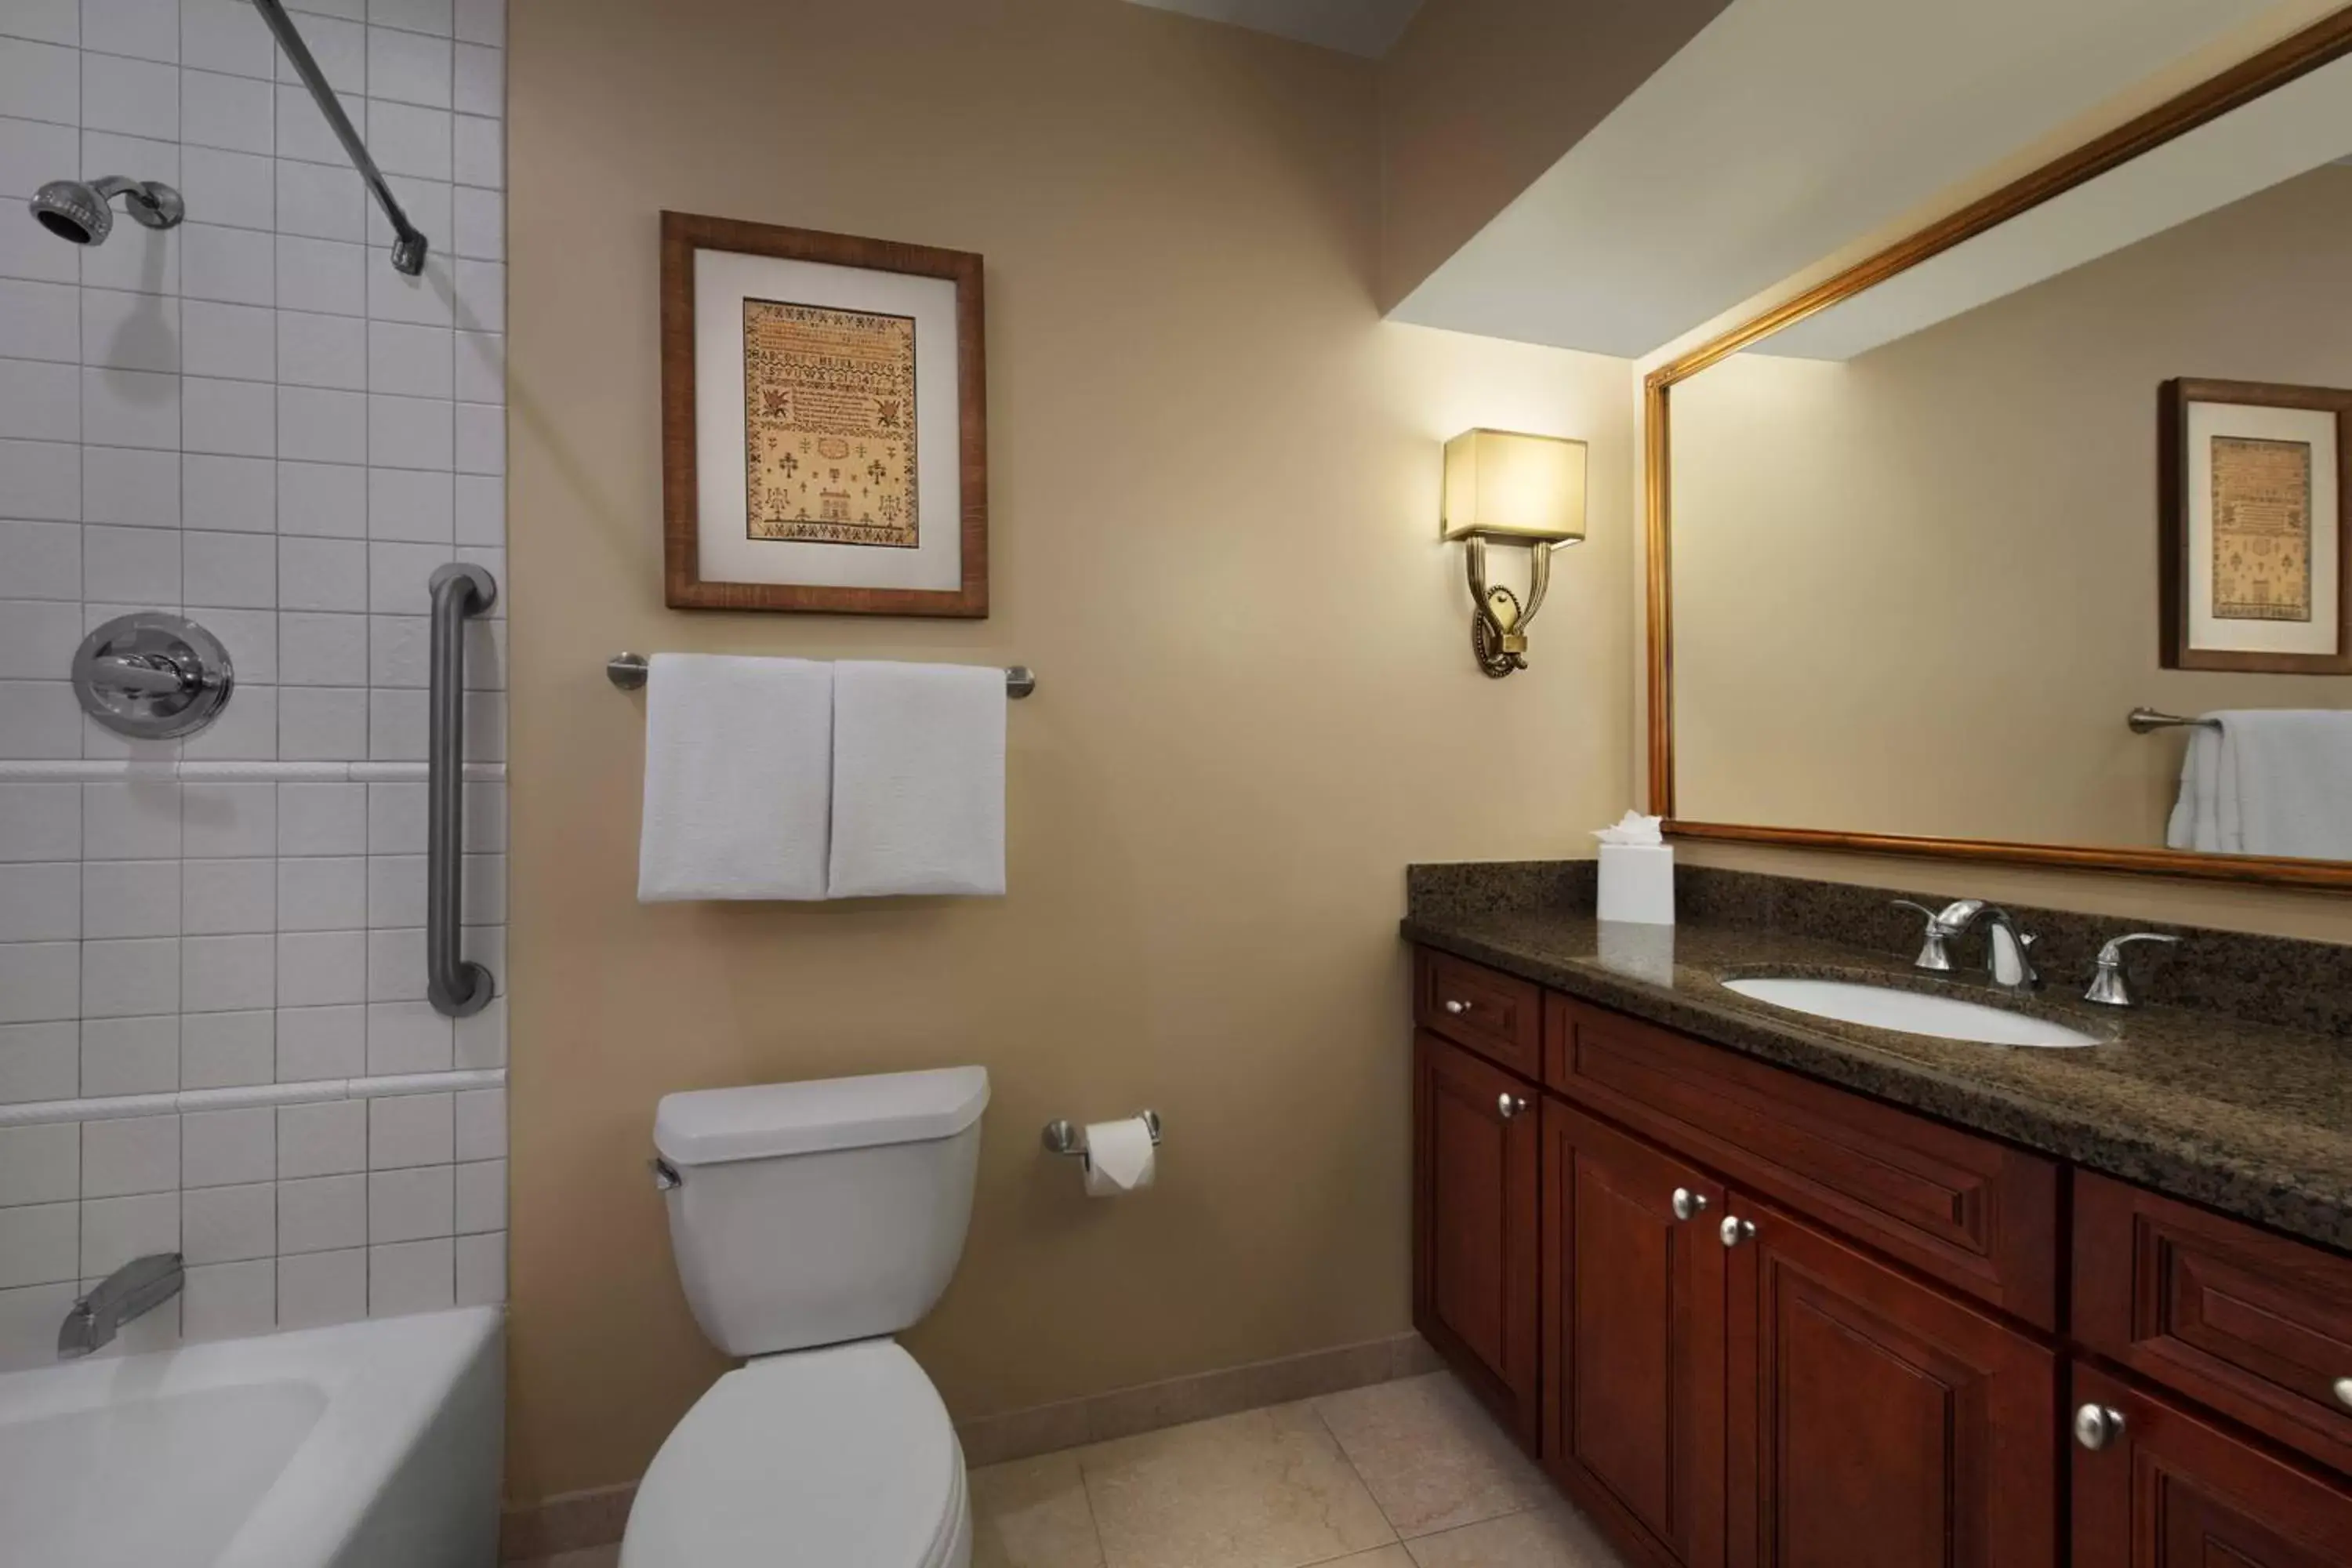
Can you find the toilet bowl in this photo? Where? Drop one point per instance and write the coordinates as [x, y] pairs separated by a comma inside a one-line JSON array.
[[810, 1222]]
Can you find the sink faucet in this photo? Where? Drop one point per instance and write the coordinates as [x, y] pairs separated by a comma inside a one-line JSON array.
[[139, 1286], [2007, 950]]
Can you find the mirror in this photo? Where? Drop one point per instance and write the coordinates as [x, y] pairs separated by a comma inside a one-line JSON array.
[[1930, 536]]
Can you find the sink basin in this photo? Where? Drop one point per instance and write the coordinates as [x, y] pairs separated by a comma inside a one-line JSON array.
[[1912, 1012]]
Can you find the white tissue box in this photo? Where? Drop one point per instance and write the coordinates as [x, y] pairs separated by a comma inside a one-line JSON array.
[[1637, 883]]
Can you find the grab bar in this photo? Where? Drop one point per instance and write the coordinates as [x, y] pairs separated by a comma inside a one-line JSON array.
[[408, 243], [456, 987]]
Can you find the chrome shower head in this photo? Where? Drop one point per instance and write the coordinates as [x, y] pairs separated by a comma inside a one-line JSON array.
[[84, 213]]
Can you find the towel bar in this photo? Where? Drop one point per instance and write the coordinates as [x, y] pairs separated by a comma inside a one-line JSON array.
[[2145, 719], [627, 671]]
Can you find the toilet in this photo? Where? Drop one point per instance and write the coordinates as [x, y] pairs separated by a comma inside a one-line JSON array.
[[810, 1222]]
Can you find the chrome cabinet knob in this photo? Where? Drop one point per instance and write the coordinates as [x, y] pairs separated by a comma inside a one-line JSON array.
[[1735, 1230], [1507, 1105], [2096, 1425], [2344, 1392], [1689, 1205], [1455, 1008]]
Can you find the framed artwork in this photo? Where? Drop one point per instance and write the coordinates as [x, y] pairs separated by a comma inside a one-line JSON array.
[[824, 433], [2257, 564]]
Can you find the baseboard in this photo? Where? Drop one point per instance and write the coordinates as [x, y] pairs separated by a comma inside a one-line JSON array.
[[579, 1520], [1123, 1412], [570, 1522]]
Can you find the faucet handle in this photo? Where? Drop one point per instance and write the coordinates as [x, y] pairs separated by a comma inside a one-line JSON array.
[[2109, 987], [1932, 952]]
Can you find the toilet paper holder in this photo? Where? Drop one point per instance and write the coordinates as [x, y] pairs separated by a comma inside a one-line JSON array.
[[1064, 1137]]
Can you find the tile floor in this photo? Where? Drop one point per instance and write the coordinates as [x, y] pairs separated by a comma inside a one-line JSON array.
[[1411, 1474]]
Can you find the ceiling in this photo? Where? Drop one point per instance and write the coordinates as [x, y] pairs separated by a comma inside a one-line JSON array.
[[1784, 131], [1365, 28]]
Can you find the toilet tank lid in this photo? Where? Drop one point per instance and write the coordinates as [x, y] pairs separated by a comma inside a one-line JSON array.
[[713, 1126]]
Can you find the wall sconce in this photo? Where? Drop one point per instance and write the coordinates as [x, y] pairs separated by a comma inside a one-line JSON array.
[[1518, 490]]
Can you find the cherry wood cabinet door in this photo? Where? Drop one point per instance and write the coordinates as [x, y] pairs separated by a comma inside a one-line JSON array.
[[2165, 1490], [1633, 1337], [1874, 1419], [1475, 1235]]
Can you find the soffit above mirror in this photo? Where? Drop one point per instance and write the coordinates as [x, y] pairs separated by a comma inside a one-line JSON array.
[[1783, 132]]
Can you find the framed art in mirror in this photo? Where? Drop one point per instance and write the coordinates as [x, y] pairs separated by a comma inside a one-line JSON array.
[[825, 429], [2257, 576], [1961, 468]]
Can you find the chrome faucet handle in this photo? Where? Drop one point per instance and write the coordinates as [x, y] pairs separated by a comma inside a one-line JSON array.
[[1942, 926], [2109, 987]]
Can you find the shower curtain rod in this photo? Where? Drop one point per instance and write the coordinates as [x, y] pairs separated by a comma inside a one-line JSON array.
[[408, 248]]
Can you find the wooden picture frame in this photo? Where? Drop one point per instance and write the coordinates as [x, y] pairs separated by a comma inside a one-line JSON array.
[[2192, 416], [2323, 42], [715, 553]]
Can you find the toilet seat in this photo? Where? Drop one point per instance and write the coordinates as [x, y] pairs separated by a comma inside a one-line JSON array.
[[839, 1457]]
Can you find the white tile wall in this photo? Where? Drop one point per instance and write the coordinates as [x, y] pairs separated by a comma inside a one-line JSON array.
[[251, 419]]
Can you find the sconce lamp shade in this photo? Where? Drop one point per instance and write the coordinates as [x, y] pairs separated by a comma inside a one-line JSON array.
[[1524, 489]]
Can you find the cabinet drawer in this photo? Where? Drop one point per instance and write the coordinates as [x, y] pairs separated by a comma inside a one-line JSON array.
[[1496, 1015], [1976, 1214], [2255, 1325]]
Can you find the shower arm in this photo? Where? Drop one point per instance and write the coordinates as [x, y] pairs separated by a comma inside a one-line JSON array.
[[408, 248]]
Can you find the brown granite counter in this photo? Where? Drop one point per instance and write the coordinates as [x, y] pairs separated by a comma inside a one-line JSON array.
[[2248, 1117]]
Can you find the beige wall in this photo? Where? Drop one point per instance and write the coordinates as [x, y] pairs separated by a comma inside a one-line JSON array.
[[1958, 531], [1479, 97], [1213, 488]]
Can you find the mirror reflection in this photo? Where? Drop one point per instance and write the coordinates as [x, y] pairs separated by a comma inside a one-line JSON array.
[[2043, 539]]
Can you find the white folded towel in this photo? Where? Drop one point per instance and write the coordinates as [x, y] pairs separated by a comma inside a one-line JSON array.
[[918, 779], [2270, 780], [738, 775], [2293, 781], [2199, 819]]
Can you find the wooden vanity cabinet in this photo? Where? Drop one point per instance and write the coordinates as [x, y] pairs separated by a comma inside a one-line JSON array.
[[1874, 1419], [1634, 1336], [1874, 1366], [2170, 1490], [2255, 1325], [1474, 1291]]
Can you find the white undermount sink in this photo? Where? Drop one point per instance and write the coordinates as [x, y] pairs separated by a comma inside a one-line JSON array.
[[1912, 1012]]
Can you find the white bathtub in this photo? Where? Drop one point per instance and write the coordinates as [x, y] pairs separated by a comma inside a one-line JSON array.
[[372, 1444]]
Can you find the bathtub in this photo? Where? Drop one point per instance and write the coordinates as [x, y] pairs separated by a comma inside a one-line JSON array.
[[372, 1444]]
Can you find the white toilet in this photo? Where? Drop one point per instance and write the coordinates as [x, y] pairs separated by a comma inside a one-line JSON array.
[[810, 1221]]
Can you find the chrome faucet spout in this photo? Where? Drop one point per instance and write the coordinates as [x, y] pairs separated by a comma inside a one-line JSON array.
[[138, 1287], [2009, 951]]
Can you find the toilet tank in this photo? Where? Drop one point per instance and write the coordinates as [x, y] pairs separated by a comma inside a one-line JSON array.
[[808, 1214]]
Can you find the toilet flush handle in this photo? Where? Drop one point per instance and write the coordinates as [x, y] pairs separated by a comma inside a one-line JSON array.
[[665, 1175]]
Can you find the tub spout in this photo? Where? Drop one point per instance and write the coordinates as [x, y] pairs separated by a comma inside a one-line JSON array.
[[139, 1286]]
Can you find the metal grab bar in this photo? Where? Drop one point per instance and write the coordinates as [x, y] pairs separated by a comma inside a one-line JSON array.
[[408, 248], [456, 987]]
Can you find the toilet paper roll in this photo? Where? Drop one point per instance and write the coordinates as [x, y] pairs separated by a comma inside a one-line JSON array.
[[1119, 1157]]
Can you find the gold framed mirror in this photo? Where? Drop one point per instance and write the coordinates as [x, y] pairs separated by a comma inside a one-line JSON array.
[[1925, 696]]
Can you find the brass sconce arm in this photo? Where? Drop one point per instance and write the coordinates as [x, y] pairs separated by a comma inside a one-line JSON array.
[[1499, 631]]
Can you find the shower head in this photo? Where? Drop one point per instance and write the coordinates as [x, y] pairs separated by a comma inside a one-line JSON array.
[[84, 213]]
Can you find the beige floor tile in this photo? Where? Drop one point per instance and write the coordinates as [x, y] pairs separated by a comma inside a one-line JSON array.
[[1380, 1557], [1432, 1456], [1265, 1488], [1032, 1513], [1555, 1537]]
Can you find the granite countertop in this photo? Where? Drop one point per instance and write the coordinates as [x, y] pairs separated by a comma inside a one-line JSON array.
[[2249, 1118]]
